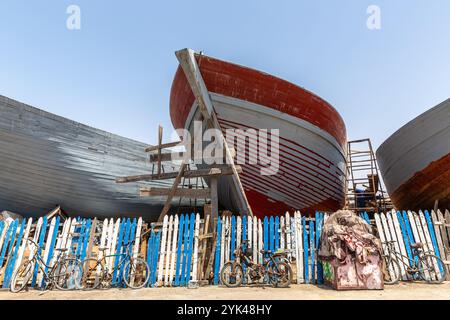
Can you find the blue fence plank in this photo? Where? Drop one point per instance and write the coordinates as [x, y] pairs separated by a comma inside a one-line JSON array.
[[12, 259], [118, 252], [433, 238], [277, 233], [179, 252], [217, 253], [312, 249], [305, 250], [39, 249], [233, 237]]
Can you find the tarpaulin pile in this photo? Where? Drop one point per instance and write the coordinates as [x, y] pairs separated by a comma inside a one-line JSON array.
[[350, 252]]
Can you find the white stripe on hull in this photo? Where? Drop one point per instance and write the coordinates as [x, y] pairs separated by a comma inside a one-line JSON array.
[[312, 164]]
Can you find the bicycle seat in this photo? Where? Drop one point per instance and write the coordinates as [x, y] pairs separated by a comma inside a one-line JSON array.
[[103, 248], [61, 249], [266, 251], [417, 245]]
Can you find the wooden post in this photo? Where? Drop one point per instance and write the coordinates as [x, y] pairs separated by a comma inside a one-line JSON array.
[[160, 134], [214, 198]]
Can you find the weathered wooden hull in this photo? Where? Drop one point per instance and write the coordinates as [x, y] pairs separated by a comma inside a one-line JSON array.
[[47, 160], [311, 174], [415, 161]]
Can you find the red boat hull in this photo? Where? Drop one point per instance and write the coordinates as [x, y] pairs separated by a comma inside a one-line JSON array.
[[310, 178]]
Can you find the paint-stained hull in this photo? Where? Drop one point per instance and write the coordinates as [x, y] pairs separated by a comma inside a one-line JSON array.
[[47, 160], [415, 161], [312, 137]]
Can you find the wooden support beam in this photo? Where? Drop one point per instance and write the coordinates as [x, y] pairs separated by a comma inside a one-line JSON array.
[[189, 174], [192, 71], [172, 192], [163, 146], [167, 157], [179, 192]]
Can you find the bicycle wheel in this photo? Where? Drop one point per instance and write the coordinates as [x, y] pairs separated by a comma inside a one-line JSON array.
[[136, 273], [432, 269], [67, 274], [232, 274], [22, 276], [392, 273], [93, 273], [280, 274]]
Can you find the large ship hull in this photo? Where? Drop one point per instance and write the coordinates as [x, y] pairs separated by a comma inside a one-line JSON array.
[[415, 161], [311, 173], [47, 160]]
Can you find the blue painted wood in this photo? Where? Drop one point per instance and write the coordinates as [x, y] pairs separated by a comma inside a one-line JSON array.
[[244, 228], [271, 234], [312, 249], [131, 240], [126, 239], [277, 233], [8, 236], [408, 228], [179, 252], [155, 257], [118, 251], [2, 226], [51, 249], [87, 230], [185, 249], [233, 237], [39, 249], [266, 233], [410, 234], [190, 249], [305, 251], [12, 259], [11, 239], [217, 253], [244, 237], [5, 242], [150, 241], [406, 239], [366, 216], [80, 238], [319, 226], [133, 234], [433, 238]]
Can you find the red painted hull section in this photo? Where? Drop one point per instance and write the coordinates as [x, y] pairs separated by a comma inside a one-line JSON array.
[[254, 86]]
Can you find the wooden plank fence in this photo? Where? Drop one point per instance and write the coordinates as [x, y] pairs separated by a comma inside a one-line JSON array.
[[182, 249], [176, 252], [407, 227]]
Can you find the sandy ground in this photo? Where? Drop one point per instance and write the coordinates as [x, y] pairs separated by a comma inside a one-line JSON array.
[[403, 291]]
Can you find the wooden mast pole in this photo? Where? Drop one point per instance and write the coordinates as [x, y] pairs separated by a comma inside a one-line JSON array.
[[190, 67]]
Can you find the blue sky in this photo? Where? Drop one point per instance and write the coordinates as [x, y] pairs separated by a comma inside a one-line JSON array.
[[116, 72]]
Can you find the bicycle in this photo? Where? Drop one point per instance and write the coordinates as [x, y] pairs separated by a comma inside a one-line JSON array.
[[65, 273], [96, 272], [273, 269], [423, 265]]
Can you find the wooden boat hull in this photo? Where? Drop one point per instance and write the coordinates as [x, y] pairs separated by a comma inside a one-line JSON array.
[[415, 161], [311, 173], [47, 160]]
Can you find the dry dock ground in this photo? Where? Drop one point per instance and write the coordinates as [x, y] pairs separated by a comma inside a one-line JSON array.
[[403, 291]]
